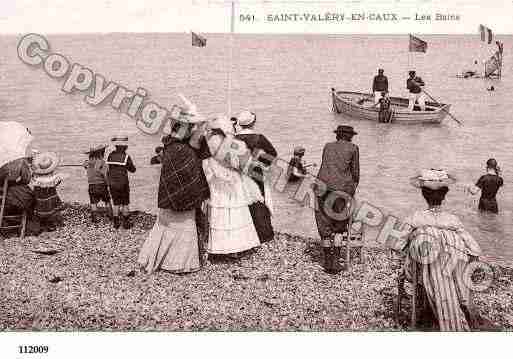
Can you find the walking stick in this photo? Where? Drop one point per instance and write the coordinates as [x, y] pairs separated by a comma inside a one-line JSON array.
[[443, 109]]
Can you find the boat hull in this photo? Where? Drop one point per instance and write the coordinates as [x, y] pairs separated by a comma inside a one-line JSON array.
[[351, 104]]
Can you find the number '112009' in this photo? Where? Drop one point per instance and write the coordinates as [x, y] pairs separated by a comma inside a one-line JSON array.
[[33, 349]]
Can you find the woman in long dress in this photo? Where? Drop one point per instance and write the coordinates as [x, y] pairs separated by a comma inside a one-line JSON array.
[[442, 250], [231, 228], [174, 242]]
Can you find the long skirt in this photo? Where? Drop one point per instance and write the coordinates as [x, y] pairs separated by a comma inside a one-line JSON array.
[[231, 230], [173, 243], [442, 258]]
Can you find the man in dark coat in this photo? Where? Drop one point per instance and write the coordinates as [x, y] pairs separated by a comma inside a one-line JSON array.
[[257, 142], [379, 85], [414, 85], [340, 172]]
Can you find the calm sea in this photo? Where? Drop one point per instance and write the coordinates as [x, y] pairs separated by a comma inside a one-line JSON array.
[[286, 80]]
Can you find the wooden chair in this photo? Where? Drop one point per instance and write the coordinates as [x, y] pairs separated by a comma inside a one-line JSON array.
[[20, 218], [401, 294], [353, 240]]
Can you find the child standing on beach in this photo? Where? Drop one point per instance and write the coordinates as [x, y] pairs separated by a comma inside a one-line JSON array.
[[120, 164], [488, 185], [44, 183], [97, 180]]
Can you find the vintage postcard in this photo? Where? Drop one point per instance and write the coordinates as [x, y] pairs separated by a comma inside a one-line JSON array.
[[253, 166]]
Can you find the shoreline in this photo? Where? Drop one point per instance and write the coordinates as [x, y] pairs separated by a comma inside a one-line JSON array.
[[92, 282]]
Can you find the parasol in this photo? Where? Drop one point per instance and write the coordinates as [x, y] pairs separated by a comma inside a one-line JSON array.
[[15, 140]]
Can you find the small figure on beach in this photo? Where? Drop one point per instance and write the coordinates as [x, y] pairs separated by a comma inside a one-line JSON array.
[[379, 85], [257, 142], [340, 172], [414, 85], [297, 169], [445, 285], [44, 183], [120, 163], [157, 159], [385, 110], [175, 243], [488, 185], [491, 88], [97, 179]]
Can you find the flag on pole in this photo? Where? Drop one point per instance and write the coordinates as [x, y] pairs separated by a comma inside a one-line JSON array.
[[493, 64], [417, 45], [486, 34], [198, 41]]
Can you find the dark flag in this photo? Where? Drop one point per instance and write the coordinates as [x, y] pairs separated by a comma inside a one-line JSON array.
[[417, 45], [486, 34], [198, 41]]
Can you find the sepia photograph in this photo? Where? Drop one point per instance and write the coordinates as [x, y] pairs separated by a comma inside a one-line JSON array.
[[249, 166]]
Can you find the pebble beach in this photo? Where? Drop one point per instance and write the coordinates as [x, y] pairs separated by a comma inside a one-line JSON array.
[[85, 277]]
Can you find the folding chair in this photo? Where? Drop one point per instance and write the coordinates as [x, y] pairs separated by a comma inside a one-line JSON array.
[[353, 240], [401, 293], [21, 218]]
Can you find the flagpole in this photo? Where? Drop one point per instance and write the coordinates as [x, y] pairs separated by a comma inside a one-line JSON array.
[[232, 26], [191, 69]]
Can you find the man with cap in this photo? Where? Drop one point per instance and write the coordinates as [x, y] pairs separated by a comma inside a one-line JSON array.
[[296, 169], [176, 241], [379, 85], [414, 84], [256, 142], [340, 172]]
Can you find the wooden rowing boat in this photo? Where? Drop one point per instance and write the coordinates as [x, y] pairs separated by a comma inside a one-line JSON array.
[[361, 106]]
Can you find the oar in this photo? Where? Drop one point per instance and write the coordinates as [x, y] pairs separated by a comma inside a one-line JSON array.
[[443, 109], [71, 166]]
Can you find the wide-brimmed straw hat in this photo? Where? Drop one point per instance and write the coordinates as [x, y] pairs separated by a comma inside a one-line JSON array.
[[345, 129], [45, 163], [189, 113], [433, 179], [246, 118], [96, 148]]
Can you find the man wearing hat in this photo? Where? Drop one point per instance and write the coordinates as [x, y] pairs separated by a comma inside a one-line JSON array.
[[340, 172], [414, 84], [120, 163], [379, 85], [261, 213]]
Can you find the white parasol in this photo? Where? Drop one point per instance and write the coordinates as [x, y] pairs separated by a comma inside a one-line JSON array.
[[15, 140]]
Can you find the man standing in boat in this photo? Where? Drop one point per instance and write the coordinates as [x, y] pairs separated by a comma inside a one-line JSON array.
[[379, 85], [414, 84]]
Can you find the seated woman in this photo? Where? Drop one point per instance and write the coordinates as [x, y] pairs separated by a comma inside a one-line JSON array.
[[15, 156], [441, 249], [19, 195], [231, 228]]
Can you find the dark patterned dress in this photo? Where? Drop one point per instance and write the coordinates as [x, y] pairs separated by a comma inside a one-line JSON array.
[[48, 203]]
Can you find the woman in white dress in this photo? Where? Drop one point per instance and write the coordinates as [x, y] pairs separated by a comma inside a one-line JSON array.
[[231, 228]]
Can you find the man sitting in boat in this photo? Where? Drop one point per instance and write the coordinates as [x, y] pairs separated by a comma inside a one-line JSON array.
[[414, 84], [379, 85], [385, 112]]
